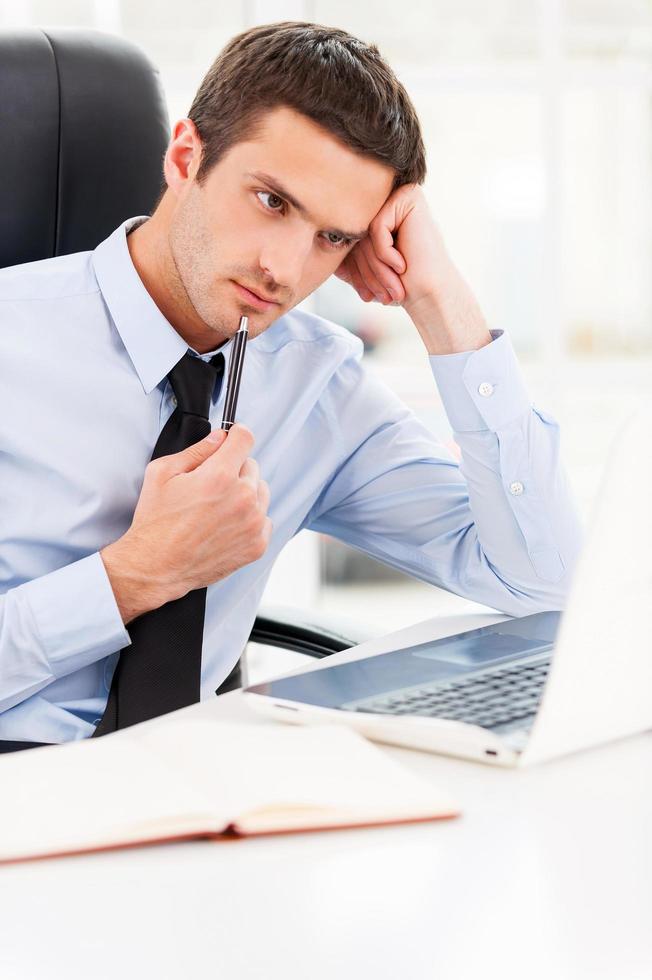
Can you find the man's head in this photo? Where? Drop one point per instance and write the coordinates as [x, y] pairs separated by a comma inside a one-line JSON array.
[[295, 139]]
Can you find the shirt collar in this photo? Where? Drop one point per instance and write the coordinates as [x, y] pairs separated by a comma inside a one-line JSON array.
[[152, 343]]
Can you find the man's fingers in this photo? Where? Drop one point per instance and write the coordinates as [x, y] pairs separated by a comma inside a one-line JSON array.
[[268, 530], [371, 280], [235, 448], [342, 274], [383, 243], [378, 277], [343, 270], [250, 472], [191, 458], [358, 284], [263, 496]]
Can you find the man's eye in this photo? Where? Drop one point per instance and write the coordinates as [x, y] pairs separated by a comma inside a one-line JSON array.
[[275, 197], [339, 242]]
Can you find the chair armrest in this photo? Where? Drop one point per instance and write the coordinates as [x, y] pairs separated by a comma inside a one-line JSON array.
[[305, 631]]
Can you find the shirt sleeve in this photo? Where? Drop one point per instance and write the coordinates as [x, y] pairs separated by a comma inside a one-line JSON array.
[[500, 527], [56, 624]]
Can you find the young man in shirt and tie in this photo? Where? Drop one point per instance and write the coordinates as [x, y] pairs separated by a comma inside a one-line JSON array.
[[301, 158]]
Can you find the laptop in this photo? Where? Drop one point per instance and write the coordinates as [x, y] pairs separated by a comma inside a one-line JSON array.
[[525, 689]]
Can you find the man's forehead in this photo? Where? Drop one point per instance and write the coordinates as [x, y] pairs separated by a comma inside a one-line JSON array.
[[315, 172]]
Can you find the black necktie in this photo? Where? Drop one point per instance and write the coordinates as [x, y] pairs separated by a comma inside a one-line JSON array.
[[161, 669]]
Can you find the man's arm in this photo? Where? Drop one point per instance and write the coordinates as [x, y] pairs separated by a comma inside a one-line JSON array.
[[54, 625], [500, 528]]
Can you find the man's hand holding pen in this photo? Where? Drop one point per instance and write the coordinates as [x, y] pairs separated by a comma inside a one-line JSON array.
[[201, 514], [404, 262]]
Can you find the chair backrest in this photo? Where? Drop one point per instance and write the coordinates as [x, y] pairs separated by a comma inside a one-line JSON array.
[[83, 131]]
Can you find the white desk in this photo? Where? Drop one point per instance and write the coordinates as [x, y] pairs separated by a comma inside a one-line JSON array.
[[548, 874]]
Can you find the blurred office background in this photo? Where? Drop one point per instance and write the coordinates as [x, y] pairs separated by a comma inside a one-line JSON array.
[[538, 122]]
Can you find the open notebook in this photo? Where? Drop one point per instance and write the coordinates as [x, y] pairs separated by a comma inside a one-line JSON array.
[[201, 779]]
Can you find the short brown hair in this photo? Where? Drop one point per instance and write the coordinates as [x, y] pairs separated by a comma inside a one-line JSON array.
[[335, 79]]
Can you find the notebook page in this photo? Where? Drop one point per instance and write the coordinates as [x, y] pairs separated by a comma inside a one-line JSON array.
[[92, 793], [245, 768]]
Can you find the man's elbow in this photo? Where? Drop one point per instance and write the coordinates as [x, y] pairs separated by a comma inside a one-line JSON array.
[[546, 590]]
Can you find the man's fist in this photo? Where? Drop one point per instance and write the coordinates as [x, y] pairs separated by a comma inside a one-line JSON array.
[[201, 515]]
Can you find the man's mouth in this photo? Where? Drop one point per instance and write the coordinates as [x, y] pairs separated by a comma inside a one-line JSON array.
[[254, 299]]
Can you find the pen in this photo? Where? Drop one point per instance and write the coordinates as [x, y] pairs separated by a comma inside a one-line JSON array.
[[235, 373]]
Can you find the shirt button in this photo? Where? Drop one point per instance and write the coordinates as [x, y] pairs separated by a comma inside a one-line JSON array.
[[173, 399], [485, 389], [516, 488], [96, 721]]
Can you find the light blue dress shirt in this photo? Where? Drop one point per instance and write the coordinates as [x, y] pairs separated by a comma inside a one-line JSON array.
[[84, 355]]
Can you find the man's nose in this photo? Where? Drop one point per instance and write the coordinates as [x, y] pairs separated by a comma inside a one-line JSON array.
[[284, 256]]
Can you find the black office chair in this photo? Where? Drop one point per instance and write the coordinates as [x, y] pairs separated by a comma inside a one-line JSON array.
[[84, 125]]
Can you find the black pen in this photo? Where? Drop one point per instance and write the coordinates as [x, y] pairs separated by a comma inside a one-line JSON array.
[[235, 373]]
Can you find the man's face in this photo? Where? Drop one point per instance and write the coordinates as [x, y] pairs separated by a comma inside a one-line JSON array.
[[236, 229]]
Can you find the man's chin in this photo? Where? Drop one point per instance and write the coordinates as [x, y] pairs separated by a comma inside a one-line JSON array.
[[257, 322]]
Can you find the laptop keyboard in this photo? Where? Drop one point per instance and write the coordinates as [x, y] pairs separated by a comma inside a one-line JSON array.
[[494, 697]]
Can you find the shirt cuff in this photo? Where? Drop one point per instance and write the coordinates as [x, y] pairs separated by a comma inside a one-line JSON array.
[[76, 614], [481, 389]]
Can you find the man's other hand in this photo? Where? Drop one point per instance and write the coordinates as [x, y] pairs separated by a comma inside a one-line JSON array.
[[404, 262]]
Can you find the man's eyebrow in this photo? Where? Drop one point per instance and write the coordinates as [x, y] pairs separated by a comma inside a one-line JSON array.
[[276, 186]]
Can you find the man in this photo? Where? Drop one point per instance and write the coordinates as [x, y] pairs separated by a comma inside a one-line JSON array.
[[301, 158]]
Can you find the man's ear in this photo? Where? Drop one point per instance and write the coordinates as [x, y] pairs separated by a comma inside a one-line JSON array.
[[182, 156]]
